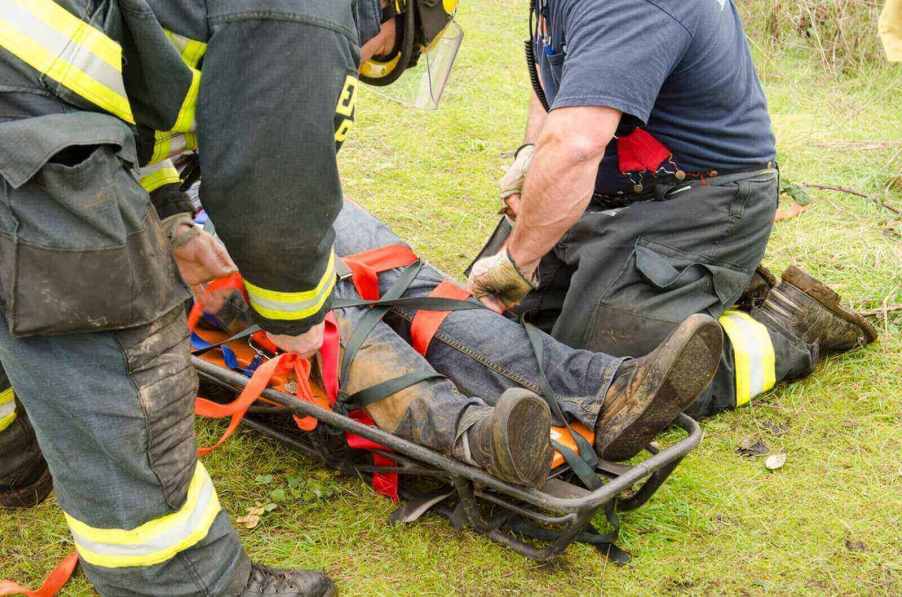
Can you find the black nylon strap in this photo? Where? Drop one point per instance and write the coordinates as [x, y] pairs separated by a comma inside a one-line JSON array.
[[383, 390], [586, 451], [375, 315], [425, 303]]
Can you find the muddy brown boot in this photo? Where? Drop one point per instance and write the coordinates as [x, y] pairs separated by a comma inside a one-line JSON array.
[[812, 312], [512, 442], [268, 582], [24, 478], [648, 393], [757, 290]]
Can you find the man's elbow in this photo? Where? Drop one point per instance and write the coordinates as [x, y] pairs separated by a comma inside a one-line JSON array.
[[580, 134]]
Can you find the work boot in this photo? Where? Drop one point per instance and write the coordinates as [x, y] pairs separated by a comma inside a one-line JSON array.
[[512, 442], [269, 582], [810, 311], [648, 393], [24, 478], [757, 290]]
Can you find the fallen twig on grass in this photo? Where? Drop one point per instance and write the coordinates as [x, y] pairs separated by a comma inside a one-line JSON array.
[[880, 310], [876, 200]]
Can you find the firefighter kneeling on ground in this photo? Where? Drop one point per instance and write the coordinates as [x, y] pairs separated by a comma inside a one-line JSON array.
[[646, 192], [93, 335]]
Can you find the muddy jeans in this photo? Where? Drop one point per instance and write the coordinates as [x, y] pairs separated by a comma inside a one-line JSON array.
[[479, 352]]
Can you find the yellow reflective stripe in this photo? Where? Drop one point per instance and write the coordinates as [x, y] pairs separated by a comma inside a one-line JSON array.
[[170, 145], [78, 31], [155, 541], [189, 49], [154, 176], [753, 351], [184, 123], [85, 72], [274, 304], [7, 408]]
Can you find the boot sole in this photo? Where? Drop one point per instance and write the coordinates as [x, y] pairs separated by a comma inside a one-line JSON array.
[[521, 437], [696, 348], [828, 299]]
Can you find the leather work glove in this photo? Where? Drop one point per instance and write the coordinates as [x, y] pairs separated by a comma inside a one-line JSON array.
[[511, 184], [199, 256], [498, 279]]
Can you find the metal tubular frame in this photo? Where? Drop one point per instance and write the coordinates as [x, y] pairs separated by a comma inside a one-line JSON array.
[[566, 507]]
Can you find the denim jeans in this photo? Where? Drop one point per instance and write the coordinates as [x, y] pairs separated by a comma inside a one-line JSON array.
[[480, 352]]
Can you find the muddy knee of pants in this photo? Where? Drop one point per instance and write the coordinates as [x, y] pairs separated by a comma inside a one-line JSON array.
[[427, 412]]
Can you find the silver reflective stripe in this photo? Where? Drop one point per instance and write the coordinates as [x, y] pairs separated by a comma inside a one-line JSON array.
[[43, 35], [155, 541]]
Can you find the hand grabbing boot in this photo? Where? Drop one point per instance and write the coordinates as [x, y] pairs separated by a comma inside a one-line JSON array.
[[648, 393], [268, 582], [811, 311], [513, 441]]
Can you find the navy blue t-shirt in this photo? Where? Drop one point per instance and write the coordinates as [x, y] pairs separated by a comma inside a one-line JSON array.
[[681, 67]]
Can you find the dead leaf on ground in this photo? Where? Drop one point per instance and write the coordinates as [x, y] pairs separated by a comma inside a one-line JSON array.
[[776, 429], [775, 461], [752, 446], [252, 518], [793, 211]]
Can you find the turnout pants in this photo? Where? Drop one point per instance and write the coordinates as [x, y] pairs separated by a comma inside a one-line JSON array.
[[480, 354], [621, 280]]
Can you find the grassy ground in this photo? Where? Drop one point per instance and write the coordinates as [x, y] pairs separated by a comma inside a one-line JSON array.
[[829, 522]]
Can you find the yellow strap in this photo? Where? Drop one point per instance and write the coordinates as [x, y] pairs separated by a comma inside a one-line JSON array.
[[293, 306], [78, 41], [753, 351]]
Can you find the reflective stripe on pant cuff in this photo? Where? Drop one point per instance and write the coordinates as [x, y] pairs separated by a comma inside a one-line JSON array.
[[155, 541], [7, 408], [755, 361]]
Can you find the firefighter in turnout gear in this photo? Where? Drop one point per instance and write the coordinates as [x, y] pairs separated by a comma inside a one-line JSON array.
[[96, 96], [646, 192]]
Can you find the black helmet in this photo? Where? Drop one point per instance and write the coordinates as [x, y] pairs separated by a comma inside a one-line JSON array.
[[420, 24]]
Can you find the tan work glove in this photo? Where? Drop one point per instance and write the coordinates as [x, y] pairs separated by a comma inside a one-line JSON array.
[[511, 184], [498, 279], [199, 256]]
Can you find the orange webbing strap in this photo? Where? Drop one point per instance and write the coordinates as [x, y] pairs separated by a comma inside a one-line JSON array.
[[426, 323], [52, 584], [236, 409], [233, 281], [366, 266]]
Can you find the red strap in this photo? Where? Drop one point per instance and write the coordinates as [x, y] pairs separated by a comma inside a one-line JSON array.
[[640, 152], [328, 358], [52, 584], [366, 266], [426, 323], [383, 483]]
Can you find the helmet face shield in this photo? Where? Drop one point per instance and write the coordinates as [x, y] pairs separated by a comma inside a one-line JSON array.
[[427, 41], [423, 85]]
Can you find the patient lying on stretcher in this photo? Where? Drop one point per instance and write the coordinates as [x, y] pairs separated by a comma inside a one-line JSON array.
[[482, 403]]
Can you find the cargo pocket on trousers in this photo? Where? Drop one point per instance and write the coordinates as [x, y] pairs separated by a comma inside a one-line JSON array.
[[159, 364], [82, 249], [658, 287]]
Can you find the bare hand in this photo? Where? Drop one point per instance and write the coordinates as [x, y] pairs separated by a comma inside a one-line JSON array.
[[203, 258], [306, 345]]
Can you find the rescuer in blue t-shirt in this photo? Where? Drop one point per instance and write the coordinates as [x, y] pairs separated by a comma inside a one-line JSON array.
[[645, 192]]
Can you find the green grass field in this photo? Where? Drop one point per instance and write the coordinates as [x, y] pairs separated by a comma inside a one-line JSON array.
[[828, 522]]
